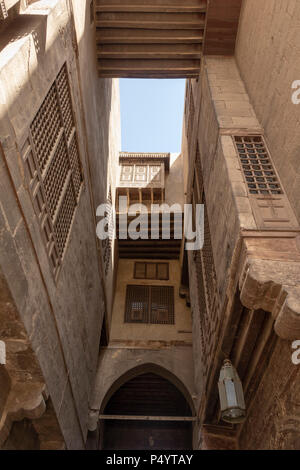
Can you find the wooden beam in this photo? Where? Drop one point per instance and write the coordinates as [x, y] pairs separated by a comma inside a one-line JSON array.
[[151, 67], [146, 2], [103, 54], [159, 8], [160, 39], [197, 24], [148, 418], [161, 256], [151, 36], [145, 74], [146, 250]]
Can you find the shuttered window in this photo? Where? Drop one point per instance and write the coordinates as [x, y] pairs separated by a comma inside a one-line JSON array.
[[257, 166], [149, 304], [159, 271]]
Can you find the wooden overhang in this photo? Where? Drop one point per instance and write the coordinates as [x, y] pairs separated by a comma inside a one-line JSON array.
[[162, 38], [150, 248]]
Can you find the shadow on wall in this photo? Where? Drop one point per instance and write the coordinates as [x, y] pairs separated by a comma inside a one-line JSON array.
[[22, 26]]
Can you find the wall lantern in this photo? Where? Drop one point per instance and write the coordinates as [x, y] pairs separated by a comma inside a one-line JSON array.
[[231, 394]]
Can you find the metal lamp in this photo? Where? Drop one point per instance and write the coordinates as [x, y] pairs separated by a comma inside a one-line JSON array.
[[231, 394]]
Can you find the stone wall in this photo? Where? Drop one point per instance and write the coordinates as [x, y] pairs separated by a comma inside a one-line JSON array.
[[267, 53], [62, 318], [132, 334], [240, 245], [273, 418]]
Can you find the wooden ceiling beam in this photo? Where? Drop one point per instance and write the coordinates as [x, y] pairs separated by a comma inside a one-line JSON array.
[[151, 36]]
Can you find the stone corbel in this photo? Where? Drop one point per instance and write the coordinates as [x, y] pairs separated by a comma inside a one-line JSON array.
[[23, 392], [270, 280], [24, 401]]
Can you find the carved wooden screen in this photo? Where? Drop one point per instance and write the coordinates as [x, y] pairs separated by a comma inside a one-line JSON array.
[[53, 168], [149, 304]]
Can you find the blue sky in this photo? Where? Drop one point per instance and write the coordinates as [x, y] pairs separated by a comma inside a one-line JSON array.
[[151, 114]]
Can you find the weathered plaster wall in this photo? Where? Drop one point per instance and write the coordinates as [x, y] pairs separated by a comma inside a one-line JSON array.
[[267, 53], [134, 333], [63, 320]]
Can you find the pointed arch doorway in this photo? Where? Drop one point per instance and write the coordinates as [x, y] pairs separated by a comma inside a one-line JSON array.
[[148, 412]]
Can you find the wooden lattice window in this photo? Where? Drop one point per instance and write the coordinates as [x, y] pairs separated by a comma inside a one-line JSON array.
[[269, 202], [159, 271], [53, 167], [142, 175], [257, 166], [150, 304]]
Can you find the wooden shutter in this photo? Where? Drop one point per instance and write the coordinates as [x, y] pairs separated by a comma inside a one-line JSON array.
[[140, 270], [151, 271], [163, 271]]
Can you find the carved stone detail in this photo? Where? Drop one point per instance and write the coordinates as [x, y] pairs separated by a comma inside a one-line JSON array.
[[24, 401], [23, 393], [270, 280]]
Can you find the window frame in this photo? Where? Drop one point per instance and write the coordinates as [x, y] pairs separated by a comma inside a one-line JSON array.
[[156, 263], [149, 307]]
